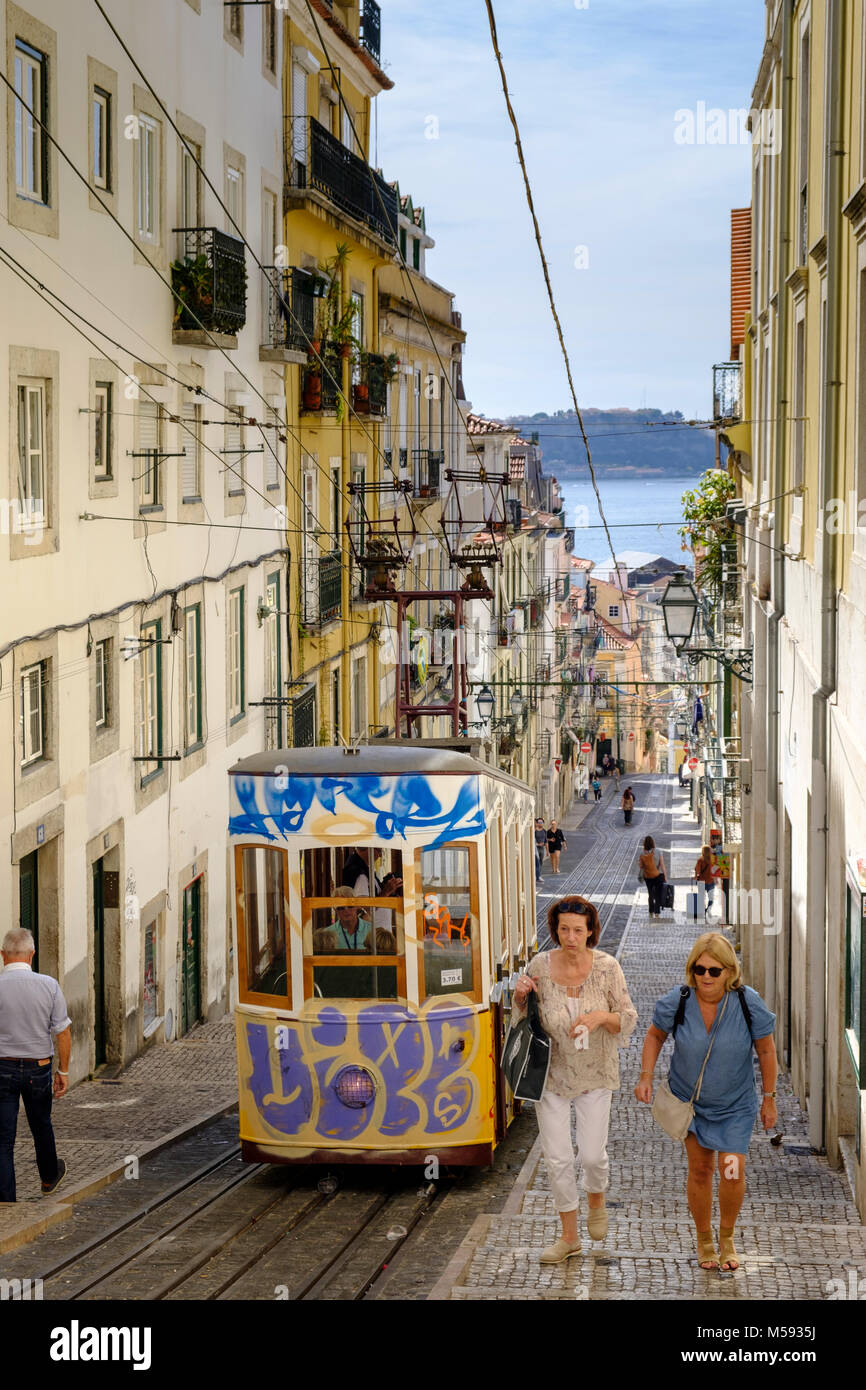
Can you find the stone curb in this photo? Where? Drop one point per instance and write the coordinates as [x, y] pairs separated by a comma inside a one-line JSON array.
[[60, 1210], [449, 1282]]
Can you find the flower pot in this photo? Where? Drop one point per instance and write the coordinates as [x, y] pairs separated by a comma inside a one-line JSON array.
[[361, 398], [313, 391], [345, 349]]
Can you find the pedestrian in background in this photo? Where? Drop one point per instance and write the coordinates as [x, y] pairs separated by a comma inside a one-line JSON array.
[[627, 804], [588, 1015], [596, 787], [605, 765], [556, 841], [32, 1007], [706, 873], [540, 847], [652, 873], [726, 1108], [616, 775]]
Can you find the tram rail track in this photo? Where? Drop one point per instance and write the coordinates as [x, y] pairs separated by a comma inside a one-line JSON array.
[[243, 1255]]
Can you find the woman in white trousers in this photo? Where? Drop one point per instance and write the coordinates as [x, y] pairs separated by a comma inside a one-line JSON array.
[[586, 1011]]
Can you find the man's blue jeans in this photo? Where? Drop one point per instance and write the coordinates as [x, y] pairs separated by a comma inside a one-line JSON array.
[[30, 1082]]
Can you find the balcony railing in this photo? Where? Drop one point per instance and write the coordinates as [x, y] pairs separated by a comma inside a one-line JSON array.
[[370, 391], [291, 316], [371, 28], [322, 589], [427, 468], [727, 392], [316, 159], [211, 279], [322, 382]]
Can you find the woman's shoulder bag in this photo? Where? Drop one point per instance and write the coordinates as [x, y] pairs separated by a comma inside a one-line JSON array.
[[672, 1114], [526, 1054]]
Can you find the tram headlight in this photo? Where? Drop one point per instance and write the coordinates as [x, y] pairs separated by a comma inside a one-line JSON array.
[[355, 1087]]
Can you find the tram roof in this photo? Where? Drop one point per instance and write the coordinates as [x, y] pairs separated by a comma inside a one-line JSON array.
[[369, 761]]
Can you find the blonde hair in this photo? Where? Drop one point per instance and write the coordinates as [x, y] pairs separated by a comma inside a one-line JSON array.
[[712, 943], [343, 892]]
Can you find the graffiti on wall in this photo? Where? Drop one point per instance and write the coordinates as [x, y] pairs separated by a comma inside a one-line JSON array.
[[432, 810], [418, 1066]]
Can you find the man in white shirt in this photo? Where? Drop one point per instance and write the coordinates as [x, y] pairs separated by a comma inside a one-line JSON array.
[[32, 1007]]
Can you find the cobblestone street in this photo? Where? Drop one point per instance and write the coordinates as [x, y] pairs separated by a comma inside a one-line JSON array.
[[101, 1123], [798, 1228]]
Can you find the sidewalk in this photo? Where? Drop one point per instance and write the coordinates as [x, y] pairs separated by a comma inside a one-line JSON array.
[[798, 1228], [169, 1091]]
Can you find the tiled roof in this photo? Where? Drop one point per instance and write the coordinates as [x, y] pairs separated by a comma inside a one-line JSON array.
[[517, 468], [613, 631], [580, 564], [475, 424]]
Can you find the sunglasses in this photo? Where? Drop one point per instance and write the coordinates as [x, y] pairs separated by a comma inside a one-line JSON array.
[[713, 970], [574, 905]]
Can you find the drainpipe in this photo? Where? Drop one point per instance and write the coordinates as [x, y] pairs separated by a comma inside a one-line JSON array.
[[818, 885], [345, 594], [777, 560]]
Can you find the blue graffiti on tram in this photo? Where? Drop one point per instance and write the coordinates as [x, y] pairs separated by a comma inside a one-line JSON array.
[[421, 1065], [399, 806]]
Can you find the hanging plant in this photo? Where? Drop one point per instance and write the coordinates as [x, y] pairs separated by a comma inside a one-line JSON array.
[[707, 529]]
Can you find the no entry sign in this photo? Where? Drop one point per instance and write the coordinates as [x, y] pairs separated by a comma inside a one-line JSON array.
[[693, 762], [586, 748]]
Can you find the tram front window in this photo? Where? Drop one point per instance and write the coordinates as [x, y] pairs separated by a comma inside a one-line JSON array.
[[263, 905], [450, 919], [353, 946]]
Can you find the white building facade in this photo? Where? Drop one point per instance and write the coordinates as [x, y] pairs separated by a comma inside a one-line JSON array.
[[146, 495]]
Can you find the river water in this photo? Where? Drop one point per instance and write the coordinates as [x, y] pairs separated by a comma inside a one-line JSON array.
[[643, 514]]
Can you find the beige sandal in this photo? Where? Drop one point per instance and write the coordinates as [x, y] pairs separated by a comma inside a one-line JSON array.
[[707, 1255], [597, 1222], [730, 1260], [557, 1252]]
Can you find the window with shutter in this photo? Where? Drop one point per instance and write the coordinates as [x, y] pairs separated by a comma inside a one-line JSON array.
[[149, 447], [190, 468], [234, 451], [273, 449]]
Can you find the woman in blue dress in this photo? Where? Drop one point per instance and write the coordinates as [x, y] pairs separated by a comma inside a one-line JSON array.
[[717, 1002]]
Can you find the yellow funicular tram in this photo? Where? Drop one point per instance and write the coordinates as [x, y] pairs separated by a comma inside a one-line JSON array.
[[382, 895]]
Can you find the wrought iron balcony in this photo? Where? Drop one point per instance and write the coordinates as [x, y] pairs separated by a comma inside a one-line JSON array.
[[291, 309], [316, 160], [322, 380], [322, 589], [427, 468], [371, 27], [370, 391], [210, 278], [727, 392]]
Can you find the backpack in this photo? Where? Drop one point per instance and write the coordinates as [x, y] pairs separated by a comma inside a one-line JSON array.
[[685, 991]]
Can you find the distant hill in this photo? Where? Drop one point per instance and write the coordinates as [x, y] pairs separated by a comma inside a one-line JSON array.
[[636, 442]]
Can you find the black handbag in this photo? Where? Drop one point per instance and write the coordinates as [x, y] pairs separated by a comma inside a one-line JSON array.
[[526, 1054]]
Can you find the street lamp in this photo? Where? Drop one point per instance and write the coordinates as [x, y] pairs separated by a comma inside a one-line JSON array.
[[515, 704], [485, 702], [679, 606]]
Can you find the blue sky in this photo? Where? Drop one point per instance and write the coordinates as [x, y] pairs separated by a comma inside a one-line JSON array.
[[596, 91]]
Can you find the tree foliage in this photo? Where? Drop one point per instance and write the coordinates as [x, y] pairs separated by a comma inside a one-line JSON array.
[[707, 530]]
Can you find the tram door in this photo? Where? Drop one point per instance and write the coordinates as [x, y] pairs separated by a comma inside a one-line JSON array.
[[190, 982]]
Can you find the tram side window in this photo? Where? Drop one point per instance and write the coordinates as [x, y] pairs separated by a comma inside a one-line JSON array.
[[450, 919], [264, 925]]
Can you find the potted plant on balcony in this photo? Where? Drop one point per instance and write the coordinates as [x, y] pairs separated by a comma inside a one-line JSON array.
[[192, 283]]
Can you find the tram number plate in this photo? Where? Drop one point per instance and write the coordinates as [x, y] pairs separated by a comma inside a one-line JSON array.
[[452, 977]]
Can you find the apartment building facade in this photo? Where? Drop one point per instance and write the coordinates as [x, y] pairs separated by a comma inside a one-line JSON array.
[[146, 480], [800, 470]]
